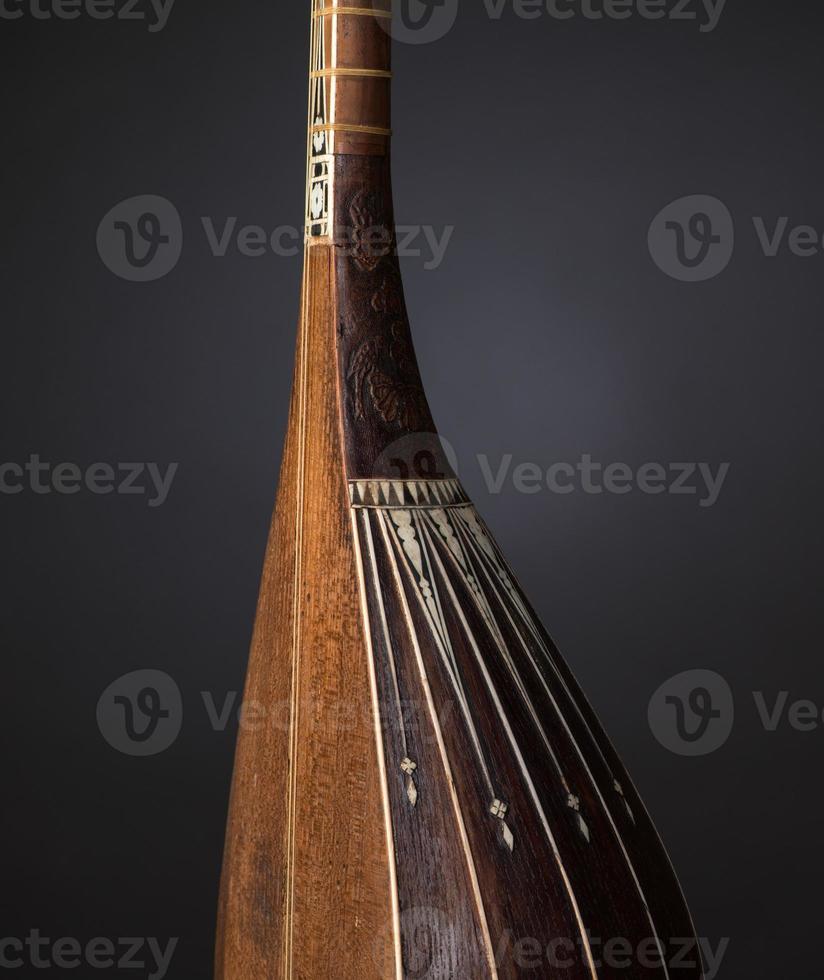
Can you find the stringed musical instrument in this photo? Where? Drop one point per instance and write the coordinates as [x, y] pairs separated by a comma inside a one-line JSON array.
[[429, 794]]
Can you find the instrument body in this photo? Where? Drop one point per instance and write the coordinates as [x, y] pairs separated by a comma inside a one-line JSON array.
[[436, 798]]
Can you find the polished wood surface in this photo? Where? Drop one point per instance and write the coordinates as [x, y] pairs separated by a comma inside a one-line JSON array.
[[358, 79], [430, 795], [306, 838]]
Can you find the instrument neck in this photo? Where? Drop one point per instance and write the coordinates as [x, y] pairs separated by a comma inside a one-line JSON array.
[[349, 98]]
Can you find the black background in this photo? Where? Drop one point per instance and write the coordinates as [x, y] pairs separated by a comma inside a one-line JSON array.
[[547, 332]]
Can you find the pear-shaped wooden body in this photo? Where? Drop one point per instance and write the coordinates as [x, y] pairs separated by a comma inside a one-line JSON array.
[[430, 795]]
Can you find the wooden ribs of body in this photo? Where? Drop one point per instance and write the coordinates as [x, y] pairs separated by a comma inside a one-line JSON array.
[[431, 796]]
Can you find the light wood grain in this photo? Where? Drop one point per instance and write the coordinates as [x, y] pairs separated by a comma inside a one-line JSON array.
[[305, 890]]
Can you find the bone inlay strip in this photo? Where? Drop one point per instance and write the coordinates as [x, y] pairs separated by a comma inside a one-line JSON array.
[[433, 613], [387, 809], [585, 935], [370, 547], [433, 714], [353, 12], [352, 128], [406, 494], [473, 544], [351, 73], [294, 707]]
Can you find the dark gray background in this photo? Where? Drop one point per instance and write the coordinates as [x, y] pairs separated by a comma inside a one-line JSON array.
[[548, 332]]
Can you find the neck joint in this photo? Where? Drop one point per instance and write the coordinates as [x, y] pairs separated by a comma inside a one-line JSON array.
[[349, 97]]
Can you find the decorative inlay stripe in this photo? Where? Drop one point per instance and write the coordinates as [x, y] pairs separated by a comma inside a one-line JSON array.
[[433, 714], [409, 550], [350, 73], [406, 494], [425, 524], [439, 518], [294, 694], [319, 174], [480, 544], [533, 793], [352, 128], [408, 766], [352, 12], [387, 808]]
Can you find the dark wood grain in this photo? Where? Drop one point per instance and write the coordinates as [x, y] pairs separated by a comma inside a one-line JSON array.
[[432, 796], [382, 392]]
